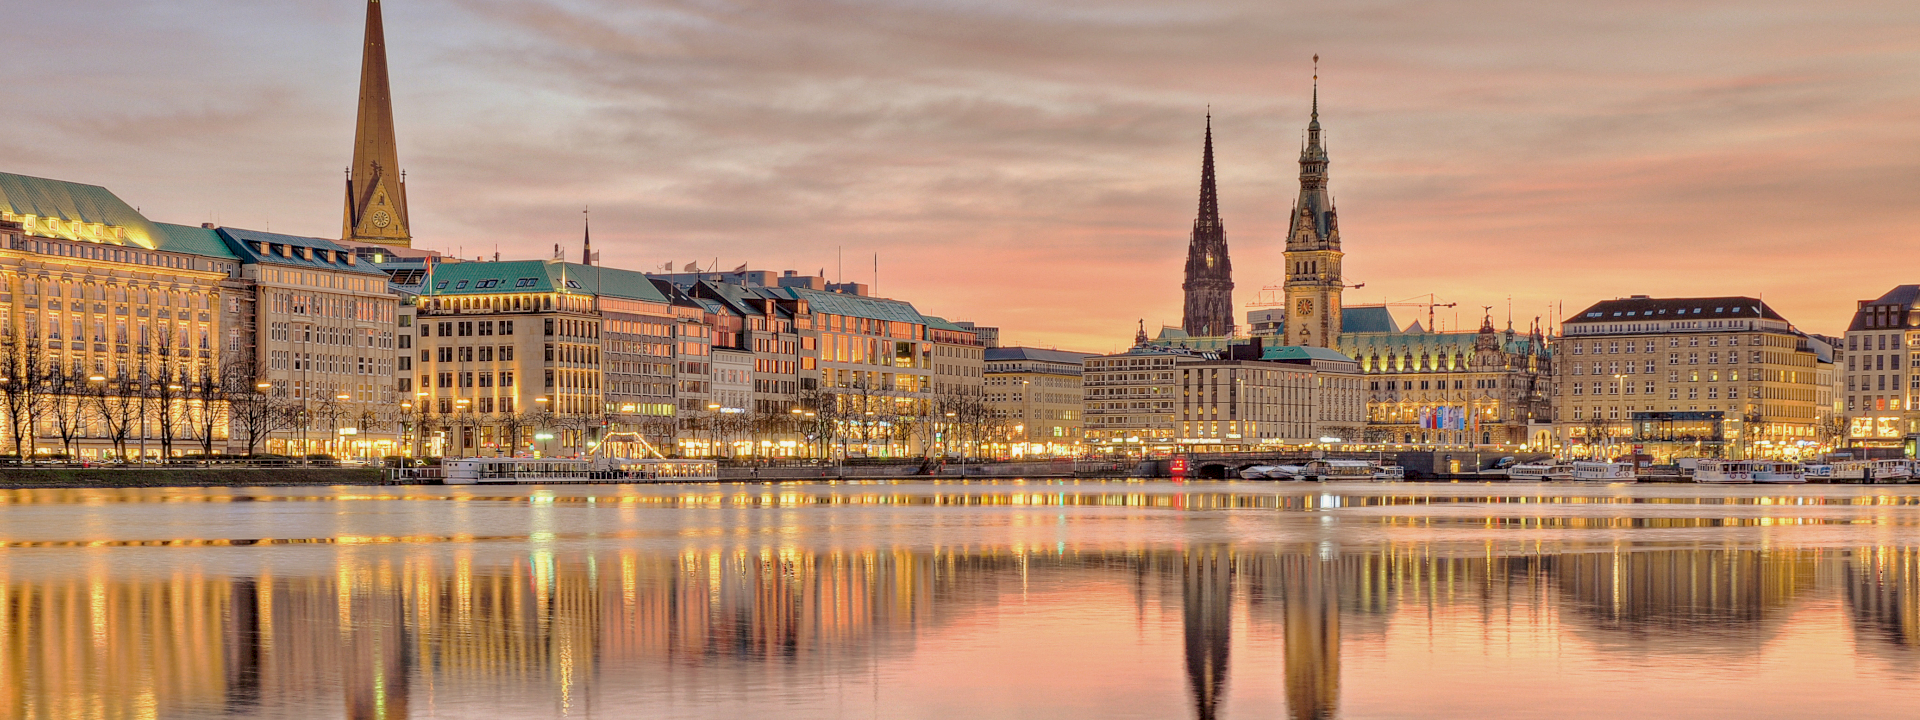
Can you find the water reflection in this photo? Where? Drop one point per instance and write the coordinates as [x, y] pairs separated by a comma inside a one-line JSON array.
[[538, 626]]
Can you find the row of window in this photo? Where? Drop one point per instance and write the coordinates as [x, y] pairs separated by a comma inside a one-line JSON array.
[[468, 328]]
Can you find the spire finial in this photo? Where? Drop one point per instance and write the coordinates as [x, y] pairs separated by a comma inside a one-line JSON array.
[[1316, 87]]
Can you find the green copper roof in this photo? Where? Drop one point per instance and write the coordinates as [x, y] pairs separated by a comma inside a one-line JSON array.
[[536, 276], [940, 323], [1297, 352], [192, 241], [73, 209], [872, 308]]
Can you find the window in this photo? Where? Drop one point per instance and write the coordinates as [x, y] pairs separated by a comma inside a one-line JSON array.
[[486, 379], [466, 379], [446, 329], [506, 353], [506, 381], [524, 282], [442, 285], [486, 327], [466, 354], [506, 327], [466, 328], [486, 353], [446, 354], [406, 342], [549, 323], [446, 379]]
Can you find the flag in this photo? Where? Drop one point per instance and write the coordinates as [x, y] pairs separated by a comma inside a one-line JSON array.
[[692, 266], [742, 268]]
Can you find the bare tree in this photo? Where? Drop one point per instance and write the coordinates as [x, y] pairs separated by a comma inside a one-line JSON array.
[[67, 406], [169, 387], [202, 410], [251, 410], [23, 361], [116, 403]]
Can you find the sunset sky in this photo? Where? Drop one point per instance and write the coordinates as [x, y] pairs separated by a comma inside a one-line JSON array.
[[1034, 165]]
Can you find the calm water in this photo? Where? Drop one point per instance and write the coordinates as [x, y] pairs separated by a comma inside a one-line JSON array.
[[914, 600]]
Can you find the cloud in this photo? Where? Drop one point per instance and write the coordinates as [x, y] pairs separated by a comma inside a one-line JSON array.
[[1034, 165]]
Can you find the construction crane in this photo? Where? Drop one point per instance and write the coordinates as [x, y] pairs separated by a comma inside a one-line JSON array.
[[1430, 305]]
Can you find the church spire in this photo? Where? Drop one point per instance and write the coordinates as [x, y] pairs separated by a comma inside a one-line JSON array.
[[376, 203], [1209, 216], [1313, 252], [586, 238], [1209, 286]]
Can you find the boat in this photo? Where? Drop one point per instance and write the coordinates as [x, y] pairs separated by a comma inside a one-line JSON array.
[[1325, 470], [1256, 472], [1539, 471], [1286, 472], [1606, 472], [613, 467], [1390, 473], [1873, 471], [1817, 472], [1748, 471]]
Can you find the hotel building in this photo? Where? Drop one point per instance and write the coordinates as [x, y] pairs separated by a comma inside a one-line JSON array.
[[1685, 377]]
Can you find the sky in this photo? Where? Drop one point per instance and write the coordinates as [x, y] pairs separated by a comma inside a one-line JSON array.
[[1035, 165]]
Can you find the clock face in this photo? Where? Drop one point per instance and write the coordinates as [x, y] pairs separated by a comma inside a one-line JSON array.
[[1304, 307], [381, 219]]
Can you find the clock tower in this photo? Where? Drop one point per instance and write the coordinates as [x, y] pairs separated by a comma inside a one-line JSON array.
[[1209, 285], [376, 189], [1313, 248]]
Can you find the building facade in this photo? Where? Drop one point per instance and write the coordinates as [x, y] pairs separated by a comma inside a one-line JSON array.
[[322, 343], [1451, 389], [1879, 387], [1038, 394], [1685, 377]]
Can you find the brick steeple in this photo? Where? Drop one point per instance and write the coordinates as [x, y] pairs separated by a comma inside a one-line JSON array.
[[1209, 282]]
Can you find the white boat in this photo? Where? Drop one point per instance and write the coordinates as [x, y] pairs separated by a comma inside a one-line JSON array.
[[1325, 470], [469, 471], [1873, 471], [1390, 473], [1748, 471], [1257, 472], [1539, 471], [1606, 472], [1286, 472], [613, 468], [1822, 472]]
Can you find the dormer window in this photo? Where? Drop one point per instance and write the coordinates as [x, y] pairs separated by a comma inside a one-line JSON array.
[[442, 285], [462, 285]]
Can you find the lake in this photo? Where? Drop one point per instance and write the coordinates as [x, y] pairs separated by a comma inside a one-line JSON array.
[[1042, 599]]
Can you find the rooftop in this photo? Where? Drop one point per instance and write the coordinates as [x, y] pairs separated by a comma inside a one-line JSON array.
[[539, 276], [1639, 308]]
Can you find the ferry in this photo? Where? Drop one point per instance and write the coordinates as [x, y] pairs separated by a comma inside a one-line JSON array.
[[1748, 471], [1390, 473], [1606, 472], [613, 468], [1325, 470], [1873, 471], [1539, 471]]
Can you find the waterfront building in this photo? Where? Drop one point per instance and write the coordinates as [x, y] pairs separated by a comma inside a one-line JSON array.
[[1252, 397], [508, 348], [117, 317], [1449, 389], [321, 339], [959, 361], [376, 192], [1684, 377], [1209, 283], [1038, 392], [1880, 388]]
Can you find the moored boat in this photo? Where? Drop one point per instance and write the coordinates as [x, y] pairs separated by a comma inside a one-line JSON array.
[[1873, 471], [1540, 471], [1606, 472]]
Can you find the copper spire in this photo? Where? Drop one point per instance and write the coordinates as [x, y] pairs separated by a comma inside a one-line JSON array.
[[376, 207]]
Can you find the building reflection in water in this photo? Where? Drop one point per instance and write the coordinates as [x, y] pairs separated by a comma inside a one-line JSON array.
[[384, 636]]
